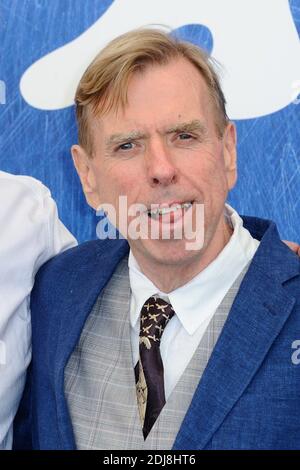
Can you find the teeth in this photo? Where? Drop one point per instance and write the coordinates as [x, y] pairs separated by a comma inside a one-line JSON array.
[[167, 210]]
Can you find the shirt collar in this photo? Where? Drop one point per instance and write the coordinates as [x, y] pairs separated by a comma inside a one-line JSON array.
[[198, 299]]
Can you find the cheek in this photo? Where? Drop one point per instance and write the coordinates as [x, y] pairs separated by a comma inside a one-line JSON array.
[[125, 182], [119, 180], [207, 172]]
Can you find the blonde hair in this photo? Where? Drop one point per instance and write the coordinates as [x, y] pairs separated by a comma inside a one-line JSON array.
[[104, 84]]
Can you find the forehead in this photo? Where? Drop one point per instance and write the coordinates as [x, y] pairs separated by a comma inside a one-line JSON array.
[[160, 96]]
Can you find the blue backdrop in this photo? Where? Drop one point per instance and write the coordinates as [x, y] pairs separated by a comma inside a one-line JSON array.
[[37, 143]]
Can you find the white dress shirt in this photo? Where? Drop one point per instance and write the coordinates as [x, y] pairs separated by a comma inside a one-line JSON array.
[[194, 303], [30, 234]]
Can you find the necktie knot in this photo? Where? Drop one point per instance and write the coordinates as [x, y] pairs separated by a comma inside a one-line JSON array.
[[155, 315]]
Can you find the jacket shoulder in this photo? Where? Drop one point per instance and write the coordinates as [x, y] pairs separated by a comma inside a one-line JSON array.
[[80, 259], [78, 269]]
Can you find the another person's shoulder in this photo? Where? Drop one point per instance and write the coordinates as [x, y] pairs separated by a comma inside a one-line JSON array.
[[29, 222], [12, 187], [25, 199]]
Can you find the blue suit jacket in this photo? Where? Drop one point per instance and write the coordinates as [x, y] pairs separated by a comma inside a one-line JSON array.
[[249, 394]]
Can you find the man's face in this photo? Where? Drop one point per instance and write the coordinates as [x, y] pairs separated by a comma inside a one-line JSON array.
[[163, 148]]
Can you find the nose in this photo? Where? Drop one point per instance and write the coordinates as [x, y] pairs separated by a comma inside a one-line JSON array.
[[159, 165]]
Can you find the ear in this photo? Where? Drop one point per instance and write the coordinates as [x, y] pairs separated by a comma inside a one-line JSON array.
[[229, 143], [84, 168]]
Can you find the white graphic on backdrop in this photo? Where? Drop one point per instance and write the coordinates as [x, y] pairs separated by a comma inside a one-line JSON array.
[[256, 42]]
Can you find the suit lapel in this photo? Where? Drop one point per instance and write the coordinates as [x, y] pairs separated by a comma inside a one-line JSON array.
[[94, 270], [258, 314]]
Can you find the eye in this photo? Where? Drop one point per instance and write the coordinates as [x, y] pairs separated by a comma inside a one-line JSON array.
[[185, 136], [126, 146]]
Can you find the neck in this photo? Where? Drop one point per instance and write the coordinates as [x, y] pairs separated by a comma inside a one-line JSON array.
[[169, 276]]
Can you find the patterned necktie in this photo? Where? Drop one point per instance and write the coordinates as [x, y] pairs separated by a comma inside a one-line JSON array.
[[149, 371]]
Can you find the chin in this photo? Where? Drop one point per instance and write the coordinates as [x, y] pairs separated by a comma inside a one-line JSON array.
[[171, 252]]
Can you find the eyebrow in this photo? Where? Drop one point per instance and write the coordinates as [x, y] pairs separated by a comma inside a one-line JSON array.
[[192, 126], [119, 138]]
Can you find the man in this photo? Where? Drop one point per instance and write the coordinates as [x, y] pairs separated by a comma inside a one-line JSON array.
[[31, 233], [163, 341]]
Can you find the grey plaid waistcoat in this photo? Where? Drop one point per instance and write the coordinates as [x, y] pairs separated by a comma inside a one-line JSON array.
[[99, 377]]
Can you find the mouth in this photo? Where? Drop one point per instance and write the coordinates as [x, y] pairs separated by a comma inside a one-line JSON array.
[[169, 213]]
